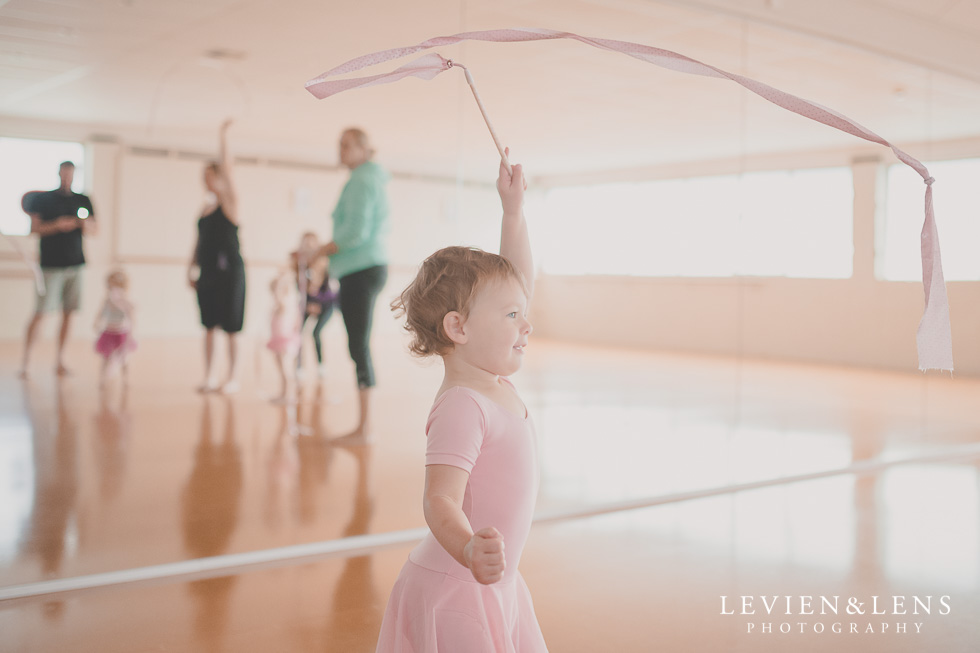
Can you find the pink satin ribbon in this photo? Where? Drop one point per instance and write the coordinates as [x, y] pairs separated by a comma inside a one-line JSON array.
[[934, 340]]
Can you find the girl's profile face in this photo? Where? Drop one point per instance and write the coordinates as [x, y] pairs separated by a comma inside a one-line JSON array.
[[496, 329]]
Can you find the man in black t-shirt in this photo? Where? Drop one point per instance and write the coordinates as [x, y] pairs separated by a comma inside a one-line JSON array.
[[61, 218]]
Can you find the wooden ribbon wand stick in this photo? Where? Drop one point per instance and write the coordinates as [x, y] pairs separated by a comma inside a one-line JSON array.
[[486, 119]]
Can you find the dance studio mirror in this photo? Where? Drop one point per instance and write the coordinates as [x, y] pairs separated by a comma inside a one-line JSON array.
[[722, 372]]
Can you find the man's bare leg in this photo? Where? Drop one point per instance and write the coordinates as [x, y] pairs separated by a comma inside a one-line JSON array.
[[62, 339], [32, 327]]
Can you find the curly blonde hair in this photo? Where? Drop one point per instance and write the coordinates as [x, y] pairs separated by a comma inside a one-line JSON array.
[[447, 281]]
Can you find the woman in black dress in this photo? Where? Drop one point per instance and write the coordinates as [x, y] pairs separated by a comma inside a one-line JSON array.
[[220, 283]]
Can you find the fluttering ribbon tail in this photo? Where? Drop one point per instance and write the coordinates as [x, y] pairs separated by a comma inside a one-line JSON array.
[[934, 337], [425, 67]]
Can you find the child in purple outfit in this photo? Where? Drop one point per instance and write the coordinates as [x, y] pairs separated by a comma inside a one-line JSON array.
[[313, 279]]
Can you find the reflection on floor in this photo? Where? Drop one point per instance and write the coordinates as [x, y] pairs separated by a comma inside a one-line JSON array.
[[94, 482]]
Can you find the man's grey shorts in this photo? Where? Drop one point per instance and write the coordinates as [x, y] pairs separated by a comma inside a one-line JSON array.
[[63, 289]]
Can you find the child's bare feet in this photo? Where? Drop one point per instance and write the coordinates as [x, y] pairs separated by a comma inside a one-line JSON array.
[[300, 430], [230, 387]]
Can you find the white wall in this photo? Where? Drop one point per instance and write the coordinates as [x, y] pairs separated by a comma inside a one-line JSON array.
[[857, 321]]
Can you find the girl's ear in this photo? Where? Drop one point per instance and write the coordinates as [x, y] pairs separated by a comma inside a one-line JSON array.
[[454, 325]]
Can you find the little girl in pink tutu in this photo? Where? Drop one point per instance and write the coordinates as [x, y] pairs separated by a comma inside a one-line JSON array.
[[285, 331], [459, 591], [115, 324]]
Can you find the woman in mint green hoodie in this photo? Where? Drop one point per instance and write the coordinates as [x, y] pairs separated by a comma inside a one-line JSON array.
[[359, 259]]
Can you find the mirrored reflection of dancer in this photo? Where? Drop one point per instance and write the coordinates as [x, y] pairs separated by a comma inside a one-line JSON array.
[[355, 596], [212, 493], [298, 466], [315, 455], [113, 426], [210, 502], [55, 445], [53, 515], [282, 469], [220, 283]]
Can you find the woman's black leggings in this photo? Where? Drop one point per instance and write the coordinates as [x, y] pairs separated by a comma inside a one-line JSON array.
[[358, 293], [326, 310]]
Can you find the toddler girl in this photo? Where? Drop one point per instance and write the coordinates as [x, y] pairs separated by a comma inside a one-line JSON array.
[[284, 338], [459, 591], [115, 324]]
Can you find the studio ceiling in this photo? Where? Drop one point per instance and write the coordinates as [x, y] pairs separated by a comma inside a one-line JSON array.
[[166, 72]]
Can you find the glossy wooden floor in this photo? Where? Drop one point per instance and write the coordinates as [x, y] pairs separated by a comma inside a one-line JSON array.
[[94, 482]]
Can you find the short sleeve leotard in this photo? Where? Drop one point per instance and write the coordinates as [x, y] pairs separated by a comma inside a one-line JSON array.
[[436, 605]]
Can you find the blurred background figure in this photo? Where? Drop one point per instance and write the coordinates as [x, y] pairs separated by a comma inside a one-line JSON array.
[[313, 280], [220, 283], [115, 327], [61, 218], [359, 259]]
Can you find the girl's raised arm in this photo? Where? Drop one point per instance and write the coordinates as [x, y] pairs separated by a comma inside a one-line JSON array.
[[515, 246], [226, 189], [191, 280]]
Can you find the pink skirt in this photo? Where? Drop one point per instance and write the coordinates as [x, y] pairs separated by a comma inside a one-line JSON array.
[[111, 342], [288, 344], [433, 612], [285, 338]]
